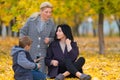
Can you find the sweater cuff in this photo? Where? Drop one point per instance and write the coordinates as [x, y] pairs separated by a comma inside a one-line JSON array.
[[36, 67]]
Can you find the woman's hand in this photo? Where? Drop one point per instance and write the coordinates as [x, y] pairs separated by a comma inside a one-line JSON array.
[[47, 40], [54, 62], [68, 42]]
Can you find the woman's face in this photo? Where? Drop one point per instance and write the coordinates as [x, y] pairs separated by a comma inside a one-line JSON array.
[[46, 13], [60, 34]]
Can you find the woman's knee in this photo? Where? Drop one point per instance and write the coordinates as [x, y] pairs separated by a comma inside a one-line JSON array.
[[81, 59]]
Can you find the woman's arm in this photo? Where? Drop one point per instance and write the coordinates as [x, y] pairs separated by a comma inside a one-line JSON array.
[[49, 56], [52, 32], [73, 51], [24, 29]]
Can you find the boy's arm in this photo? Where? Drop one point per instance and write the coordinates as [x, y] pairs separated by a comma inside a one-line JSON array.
[[24, 62]]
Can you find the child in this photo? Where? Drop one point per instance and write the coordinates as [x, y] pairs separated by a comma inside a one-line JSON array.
[[23, 66]]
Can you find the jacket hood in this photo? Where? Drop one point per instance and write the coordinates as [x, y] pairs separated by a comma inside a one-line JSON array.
[[15, 49]]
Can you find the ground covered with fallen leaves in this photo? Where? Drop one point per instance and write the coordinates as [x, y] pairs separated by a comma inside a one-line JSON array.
[[99, 66]]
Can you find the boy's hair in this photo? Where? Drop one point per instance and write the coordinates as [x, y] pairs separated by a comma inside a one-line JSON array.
[[24, 41]]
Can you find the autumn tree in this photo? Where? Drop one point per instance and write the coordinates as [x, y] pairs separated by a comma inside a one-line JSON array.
[[105, 7]]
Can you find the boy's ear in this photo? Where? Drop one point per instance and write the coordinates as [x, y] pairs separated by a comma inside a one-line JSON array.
[[26, 47]]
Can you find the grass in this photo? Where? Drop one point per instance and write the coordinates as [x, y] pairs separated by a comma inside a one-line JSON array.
[[99, 66]]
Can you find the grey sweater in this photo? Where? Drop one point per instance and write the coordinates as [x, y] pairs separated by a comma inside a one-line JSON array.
[[22, 64]]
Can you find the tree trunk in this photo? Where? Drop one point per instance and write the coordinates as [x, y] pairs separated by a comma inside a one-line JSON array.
[[100, 31], [4, 31], [119, 29], [14, 34], [10, 28], [0, 27], [77, 22], [118, 23], [117, 19], [94, 32]]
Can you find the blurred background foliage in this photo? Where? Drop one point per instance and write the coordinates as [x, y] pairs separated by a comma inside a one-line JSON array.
[[83, 17], [14, 13]]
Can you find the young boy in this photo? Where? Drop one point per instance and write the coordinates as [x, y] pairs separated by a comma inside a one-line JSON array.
[[23, 66]]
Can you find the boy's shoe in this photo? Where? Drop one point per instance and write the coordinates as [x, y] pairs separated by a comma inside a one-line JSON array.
[[85, 77], [59, 77]]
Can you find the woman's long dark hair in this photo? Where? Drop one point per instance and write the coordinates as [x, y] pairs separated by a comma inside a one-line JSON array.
[[66, 30]]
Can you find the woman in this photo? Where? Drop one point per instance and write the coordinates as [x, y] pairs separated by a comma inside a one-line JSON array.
[[62, 54], [40, 28]]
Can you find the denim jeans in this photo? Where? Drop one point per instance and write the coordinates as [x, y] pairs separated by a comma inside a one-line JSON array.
[[38, 75]]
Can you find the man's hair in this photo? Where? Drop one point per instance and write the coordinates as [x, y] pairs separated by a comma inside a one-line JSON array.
[[24, 41], [45, 5]]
